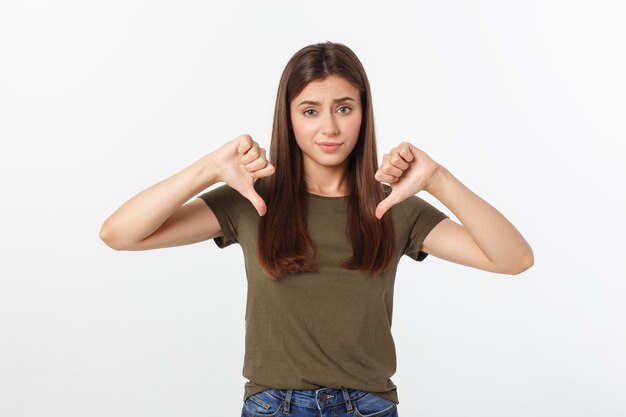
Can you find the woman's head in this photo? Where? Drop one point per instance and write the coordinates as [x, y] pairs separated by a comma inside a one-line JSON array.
[[320, 73], [326, 71], [326, 121]]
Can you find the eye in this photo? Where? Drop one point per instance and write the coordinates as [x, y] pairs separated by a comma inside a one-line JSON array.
[[345, 107], [306, 112]]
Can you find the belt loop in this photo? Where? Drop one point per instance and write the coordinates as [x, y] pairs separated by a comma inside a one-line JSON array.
[[288, 400], [346, 397]]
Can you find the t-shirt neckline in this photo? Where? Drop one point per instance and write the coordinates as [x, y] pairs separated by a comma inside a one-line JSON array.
[[328, 198]]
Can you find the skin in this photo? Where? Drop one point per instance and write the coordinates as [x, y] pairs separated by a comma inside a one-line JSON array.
[[157, 218], [485, 239], [239, 163], [327, 120]]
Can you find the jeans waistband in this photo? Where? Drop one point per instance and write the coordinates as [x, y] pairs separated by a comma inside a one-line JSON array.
[[325, 396]]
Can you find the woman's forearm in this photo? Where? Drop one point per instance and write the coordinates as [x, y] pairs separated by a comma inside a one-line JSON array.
[[144, 213], [501, 242]]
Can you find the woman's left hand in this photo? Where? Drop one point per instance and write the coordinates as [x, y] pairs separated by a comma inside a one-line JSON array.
[[407, 170]]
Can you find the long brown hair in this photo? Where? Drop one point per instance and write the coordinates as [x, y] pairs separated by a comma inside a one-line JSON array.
[[284, 245]]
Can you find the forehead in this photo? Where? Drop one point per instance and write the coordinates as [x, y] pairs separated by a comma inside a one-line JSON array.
[[329, 88]]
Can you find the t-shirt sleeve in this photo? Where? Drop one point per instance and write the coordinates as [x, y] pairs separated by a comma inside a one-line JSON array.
[[421, 217], [226, 203]]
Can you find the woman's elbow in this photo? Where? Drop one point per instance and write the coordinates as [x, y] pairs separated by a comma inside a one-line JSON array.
[[529, 261], [108, 238]]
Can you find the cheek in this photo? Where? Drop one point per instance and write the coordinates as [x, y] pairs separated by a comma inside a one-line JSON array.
[[302, 127], [353, 125]]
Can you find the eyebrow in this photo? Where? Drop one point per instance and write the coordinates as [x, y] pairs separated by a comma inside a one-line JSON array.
[[316, 103]]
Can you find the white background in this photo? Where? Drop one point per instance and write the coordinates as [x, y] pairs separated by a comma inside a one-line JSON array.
[[522, 101]]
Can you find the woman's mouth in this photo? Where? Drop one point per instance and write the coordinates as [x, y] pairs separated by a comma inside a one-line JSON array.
[[329, 146]]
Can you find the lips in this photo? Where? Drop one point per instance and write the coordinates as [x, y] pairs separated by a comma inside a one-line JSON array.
[[329, 147]]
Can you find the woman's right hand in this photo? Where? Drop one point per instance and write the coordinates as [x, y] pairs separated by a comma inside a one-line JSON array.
[[239, 163]]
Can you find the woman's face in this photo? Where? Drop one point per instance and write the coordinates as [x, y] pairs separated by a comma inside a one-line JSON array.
[[326, 119]]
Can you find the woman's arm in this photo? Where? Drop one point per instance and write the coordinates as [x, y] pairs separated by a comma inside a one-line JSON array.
[[144, 213], [157, 213], [485, 239], [500, 242]]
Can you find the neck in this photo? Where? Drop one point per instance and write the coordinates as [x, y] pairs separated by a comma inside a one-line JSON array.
[[327, 181]]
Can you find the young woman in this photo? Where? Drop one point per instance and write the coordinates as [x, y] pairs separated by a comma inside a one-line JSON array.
[[322, 236]]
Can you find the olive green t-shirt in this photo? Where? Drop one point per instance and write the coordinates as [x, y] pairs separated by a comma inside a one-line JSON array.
[[330, 328]]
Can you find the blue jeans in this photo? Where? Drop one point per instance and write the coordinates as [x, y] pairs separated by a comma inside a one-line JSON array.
[[324, 402]]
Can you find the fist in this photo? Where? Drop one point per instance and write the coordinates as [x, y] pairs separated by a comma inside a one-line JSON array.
[[239, 163], [407, 170]]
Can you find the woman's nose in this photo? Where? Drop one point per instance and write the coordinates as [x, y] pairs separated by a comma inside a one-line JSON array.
[[329, 126]]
